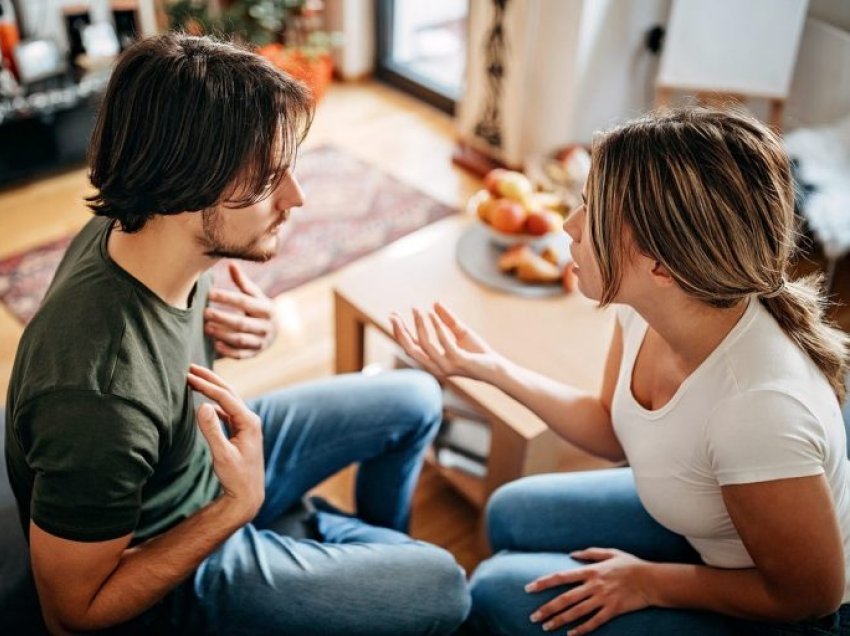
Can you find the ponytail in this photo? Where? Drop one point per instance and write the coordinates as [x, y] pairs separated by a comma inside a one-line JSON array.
[[798, 307]]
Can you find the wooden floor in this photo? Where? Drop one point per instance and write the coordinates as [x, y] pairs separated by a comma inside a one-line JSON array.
[[403, 137]]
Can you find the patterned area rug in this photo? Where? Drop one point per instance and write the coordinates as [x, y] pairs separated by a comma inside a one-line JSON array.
[[351, 209]]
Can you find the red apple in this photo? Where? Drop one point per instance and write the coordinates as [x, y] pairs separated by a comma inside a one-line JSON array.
[[540, 222], [537, 224], [507, 216]]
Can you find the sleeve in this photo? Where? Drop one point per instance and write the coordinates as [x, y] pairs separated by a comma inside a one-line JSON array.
[[92, 455], [764, 435]]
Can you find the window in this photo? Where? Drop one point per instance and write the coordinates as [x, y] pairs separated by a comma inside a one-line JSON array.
[[422, 48]]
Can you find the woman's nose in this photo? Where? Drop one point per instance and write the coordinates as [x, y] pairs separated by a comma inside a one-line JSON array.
[[573, 222]]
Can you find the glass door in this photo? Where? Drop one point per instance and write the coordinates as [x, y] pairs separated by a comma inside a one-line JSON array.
[[422, 48]]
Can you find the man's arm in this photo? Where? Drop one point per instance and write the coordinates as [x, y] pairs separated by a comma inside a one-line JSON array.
[[85, 586]]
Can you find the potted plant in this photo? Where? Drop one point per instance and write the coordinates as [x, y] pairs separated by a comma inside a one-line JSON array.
[[288, 32]]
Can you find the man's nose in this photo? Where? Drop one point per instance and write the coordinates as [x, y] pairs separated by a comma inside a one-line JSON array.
[[290, 195]]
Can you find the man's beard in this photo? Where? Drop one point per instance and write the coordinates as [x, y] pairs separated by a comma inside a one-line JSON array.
[[216, 246]]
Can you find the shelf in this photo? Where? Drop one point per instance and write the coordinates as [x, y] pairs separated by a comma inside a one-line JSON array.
[[49, 101], [468, 486]]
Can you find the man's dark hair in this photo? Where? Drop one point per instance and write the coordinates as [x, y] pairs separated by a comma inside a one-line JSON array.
[[190, 122]]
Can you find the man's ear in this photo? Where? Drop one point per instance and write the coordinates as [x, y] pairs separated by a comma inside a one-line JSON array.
[[661, 275]]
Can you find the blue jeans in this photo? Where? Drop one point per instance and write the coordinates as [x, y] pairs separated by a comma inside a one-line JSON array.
[[359, 575], [533, 524]]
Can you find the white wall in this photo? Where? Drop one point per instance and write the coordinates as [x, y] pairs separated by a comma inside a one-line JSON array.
[[355, 19], [577, 66], [820, 88], [834, 12], [615, 71]]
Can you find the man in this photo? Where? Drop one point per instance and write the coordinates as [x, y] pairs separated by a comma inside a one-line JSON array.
[[135, 522]]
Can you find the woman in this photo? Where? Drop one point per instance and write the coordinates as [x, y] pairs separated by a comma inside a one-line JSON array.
[[721, 391]]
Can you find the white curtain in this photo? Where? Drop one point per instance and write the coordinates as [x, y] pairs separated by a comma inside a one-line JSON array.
[[571, 67]]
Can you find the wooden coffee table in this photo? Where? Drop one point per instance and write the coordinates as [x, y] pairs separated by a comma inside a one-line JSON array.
[[565, 337]]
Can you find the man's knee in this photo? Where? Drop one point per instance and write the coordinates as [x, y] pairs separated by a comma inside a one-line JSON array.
[[441, 590], [417, 396]]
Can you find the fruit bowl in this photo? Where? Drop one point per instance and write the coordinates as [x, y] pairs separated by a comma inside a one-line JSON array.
[[509, 239]]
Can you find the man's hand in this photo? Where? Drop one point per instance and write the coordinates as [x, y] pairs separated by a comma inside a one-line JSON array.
[[248, 330], [237, 461], [610, 587]]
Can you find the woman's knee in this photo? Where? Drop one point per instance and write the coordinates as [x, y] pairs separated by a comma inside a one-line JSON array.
[[504, 511]]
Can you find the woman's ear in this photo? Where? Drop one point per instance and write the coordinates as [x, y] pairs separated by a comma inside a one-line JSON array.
[[661, 275]]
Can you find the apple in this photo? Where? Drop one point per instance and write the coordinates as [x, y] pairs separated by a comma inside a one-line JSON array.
[[507, 216], [540, 222], [544, 201], [556, 221], [514, 185], [492, 178], [485, 208], [537, 224]]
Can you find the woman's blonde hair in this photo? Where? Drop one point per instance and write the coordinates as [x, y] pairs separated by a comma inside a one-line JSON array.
[[709, 195]]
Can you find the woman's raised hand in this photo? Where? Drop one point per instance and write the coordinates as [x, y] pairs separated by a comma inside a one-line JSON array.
[[444, 346]]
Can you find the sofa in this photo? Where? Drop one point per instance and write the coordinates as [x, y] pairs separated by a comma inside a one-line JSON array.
[[19, 610]]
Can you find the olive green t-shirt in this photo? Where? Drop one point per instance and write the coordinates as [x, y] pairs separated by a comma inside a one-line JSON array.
[[101, 439]]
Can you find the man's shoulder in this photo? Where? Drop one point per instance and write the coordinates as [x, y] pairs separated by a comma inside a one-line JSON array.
[[75, 336]]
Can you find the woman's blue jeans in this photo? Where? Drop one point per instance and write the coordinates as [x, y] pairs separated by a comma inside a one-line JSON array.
[[359, 575], [533, 524]]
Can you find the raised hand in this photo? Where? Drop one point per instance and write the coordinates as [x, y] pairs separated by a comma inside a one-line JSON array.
[[238, 461], [250, 328], [613, 585], [444, 346]]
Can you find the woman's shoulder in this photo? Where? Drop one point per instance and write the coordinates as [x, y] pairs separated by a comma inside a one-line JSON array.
[[763, 359], [627, 316]]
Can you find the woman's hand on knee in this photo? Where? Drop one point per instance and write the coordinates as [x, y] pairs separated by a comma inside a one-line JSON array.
[[614, 584]]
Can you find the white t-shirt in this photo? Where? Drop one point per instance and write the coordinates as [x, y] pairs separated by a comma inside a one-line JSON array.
[[756, 409]]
